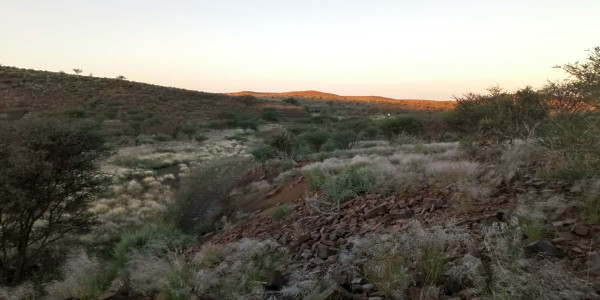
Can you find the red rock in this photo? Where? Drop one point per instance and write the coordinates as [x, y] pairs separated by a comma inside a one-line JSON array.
[[375, 211]]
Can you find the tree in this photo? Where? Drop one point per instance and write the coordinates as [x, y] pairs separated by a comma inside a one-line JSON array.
[[584, 83], [121, 77], [48, 177], [77, 71]]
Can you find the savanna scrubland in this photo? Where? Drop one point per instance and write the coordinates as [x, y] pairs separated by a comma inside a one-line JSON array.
[[111, 189]]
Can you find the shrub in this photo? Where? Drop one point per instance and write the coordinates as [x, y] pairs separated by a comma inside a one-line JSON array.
[[344, 139], [403, 124], [263, 152], [317, 179], [349, 183], [316, 138], [388, 272], [292, 101], [144, 139], [199, 137], [281, 211], [283, 144], [270, 114], [141, 163], [189, 128]]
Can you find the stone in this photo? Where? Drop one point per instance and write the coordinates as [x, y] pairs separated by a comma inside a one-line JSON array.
[[375, 211], [273, 192], [581, 230], [368, 288], [303, 238], [425, 293], [543, 247], [576, 188], [334, 292], [593, 263], [560, 237], [325, 252], [357, 281], [341, 232]]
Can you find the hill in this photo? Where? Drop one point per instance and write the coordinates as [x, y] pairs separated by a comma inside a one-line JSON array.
[[23, 90], [407, 104]]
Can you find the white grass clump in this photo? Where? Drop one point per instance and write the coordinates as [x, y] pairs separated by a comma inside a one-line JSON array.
[[134, 187], [231, 270], [77, 271], [455, 170], [149, 273], [515, 276], [24, 291]]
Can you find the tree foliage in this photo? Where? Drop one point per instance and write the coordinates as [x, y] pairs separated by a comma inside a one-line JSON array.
[[48, 177]]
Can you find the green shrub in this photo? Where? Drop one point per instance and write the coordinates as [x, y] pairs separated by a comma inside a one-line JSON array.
[[263, 152], [532, 230], [344, 139], [316, 138], [348, 183], [317, 179], [403, 124], [369, 132], [283, 144], [298, 129], [281, 211], [157, 240], [141, 163], [292, 101], [199, 137], [203, 228], [431, 262], [145, 139], [270, 114]]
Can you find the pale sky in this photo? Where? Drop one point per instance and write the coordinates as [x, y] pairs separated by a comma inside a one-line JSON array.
[[399, 49]]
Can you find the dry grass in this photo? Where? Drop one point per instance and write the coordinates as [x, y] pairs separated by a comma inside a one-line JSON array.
[[24, 291], [389, 257], [78, 272]]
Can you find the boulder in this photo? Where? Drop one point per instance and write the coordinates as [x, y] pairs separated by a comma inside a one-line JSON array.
[[543, 247], [581, 230], [593, 263], [375, 211]]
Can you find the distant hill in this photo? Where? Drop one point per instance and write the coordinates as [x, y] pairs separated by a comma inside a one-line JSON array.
[[32, 90], [408, 104]]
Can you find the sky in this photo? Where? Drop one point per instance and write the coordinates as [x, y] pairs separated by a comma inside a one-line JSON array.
[[400, 49]]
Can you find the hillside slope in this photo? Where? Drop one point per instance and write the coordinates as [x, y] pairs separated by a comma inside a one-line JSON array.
[[31, 90], [408, 104]]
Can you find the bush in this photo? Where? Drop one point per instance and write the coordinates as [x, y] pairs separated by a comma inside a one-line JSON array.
[[344, 139], [141, 163], [292, 101], [282, 211], [348, 183], [151, 241], [199, 137], [263, 152], [270, 114], [283, 144], [316, 138], [498, 116], [404, 124]]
